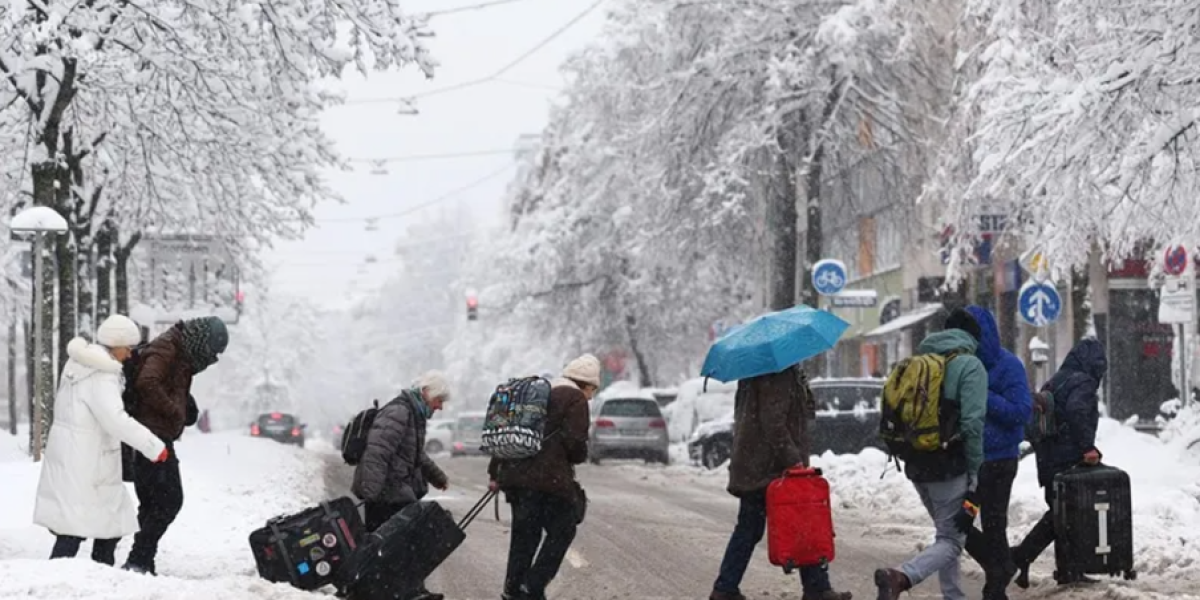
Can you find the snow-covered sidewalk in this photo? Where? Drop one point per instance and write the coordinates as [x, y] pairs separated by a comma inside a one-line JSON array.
[[232, 484]]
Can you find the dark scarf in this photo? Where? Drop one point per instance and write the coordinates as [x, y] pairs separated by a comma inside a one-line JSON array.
[[202, 342]]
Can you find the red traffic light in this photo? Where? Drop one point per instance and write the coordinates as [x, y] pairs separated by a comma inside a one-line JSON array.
[[472, 302], [240, 296]]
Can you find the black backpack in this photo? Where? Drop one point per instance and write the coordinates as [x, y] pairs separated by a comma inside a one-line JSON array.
[[354, 437], [130, 369]]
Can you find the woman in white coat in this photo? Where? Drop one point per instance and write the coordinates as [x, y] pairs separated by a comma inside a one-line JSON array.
[[81, 494]]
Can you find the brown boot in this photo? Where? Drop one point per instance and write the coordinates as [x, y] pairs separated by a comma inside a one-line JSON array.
[[891, 583], [827, 595], [715, 595]]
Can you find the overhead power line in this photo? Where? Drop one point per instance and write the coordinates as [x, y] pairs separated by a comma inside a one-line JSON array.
[[469, 7], [494, 76], [439, 156], [437, 200]]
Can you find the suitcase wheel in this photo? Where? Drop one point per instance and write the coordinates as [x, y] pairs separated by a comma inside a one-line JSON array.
[[789, 567], [1130, 575]]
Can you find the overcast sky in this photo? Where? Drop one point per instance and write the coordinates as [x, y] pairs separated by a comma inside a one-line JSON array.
[[328, 264]]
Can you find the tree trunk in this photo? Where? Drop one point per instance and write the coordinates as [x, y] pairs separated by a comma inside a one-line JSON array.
[[104, 262], [1080, 311], [781, 217], [64, 260], [644, 378], [121, 255], [45, 181]]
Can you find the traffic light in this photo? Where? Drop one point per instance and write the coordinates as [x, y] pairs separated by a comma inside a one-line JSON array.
[[472, 308], [239, 297]]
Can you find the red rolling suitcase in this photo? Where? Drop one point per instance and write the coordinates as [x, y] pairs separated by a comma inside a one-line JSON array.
[[799, 520]]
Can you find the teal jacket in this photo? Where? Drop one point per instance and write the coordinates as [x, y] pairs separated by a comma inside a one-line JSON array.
[[967, 380]]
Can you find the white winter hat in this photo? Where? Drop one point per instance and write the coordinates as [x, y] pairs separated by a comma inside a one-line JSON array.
[[118, 331], [585, 369]]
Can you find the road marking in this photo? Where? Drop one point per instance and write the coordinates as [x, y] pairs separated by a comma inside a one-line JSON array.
[[576, 559]]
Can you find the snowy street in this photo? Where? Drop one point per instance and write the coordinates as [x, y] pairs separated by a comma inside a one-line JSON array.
[[652, 532], [659, 533]]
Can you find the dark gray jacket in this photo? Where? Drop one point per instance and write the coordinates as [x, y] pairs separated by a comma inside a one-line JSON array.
[[394, 468]]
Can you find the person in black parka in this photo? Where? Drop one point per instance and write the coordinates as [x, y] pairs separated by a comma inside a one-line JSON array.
[[1075, 389]]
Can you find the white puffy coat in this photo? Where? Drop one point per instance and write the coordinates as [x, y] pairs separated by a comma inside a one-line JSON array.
[[81, 492]]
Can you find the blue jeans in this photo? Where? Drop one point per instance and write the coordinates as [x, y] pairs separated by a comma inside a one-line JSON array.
[[751, 525], [943, 500]]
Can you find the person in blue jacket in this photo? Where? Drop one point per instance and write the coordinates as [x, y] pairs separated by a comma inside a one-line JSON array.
[[1009, 406]]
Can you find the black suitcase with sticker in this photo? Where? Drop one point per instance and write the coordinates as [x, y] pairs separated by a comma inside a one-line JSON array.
[[1093, 523], [403, 552], [309, 549]]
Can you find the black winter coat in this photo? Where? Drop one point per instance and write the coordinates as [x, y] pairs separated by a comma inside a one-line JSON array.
[[394, 468], [1076, 410]]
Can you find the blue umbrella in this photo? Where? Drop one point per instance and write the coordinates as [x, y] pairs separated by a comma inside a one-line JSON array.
[[772, 343]]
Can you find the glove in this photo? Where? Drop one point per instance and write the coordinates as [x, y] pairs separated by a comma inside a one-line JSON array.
[[965, 519], [163, 456]]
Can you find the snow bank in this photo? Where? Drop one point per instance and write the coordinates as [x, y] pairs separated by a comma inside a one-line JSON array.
[[14, 448], [232, 484]]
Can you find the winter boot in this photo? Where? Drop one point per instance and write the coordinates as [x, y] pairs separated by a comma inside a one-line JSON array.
[[997, 583], [891, 584], [715, 595], [139, 569], [827, 595]]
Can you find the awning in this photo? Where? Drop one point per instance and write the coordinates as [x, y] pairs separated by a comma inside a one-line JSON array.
[[905, 321]]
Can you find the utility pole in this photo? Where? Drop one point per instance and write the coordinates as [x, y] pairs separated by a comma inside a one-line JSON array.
[[12, 372]]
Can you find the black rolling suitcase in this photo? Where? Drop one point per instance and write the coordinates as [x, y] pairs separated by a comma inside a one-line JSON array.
[[1093, 523], [309, 549], [398, 556]]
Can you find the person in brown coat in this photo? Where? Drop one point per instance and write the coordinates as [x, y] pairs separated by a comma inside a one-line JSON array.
[[160, 393], [771, 413], [542, 489]]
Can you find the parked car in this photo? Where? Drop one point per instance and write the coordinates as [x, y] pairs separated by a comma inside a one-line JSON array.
[[698, 401], [847, 422], [628, 427], [281, 427], [467, 434], [439, 435]]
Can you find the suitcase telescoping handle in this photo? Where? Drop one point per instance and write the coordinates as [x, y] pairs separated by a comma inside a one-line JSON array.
[[478, 508]]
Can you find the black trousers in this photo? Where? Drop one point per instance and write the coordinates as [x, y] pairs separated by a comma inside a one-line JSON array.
[[1039, 538], [989, 547], [104, 551], [543, 527], [376, 514], [160, 497]]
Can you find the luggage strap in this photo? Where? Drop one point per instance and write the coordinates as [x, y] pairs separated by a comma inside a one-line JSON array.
[[478, 508]]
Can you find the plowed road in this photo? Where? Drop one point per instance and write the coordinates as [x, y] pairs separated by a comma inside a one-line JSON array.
[[656, 534]]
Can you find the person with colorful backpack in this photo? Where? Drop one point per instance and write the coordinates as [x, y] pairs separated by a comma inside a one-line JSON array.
[[1008, 408], [536, 434], [932, 419]]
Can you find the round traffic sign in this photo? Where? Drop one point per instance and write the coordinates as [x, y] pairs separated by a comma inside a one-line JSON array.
[[1175, 260], [829, 276]]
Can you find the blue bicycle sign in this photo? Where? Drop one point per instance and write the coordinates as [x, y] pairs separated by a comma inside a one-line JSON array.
[[829, 277]]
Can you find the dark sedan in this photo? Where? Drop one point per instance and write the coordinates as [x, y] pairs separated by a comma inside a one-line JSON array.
[[847, 422], [281, 427]]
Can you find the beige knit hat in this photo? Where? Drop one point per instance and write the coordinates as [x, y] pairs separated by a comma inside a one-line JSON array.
[[118, 331], [585, 369]]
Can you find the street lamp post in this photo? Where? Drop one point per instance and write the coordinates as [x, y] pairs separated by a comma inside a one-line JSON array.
[[39, 220]]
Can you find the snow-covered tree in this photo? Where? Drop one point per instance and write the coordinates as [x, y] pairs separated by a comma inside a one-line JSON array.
[[1085, 126], [664, 194]]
